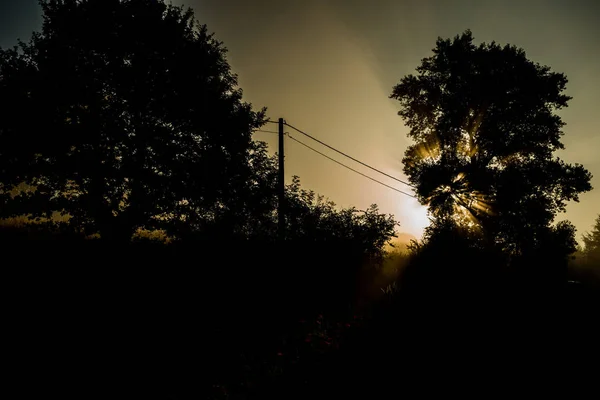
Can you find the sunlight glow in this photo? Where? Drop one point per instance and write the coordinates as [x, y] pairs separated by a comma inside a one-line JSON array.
[[456, 197], [413, 217]]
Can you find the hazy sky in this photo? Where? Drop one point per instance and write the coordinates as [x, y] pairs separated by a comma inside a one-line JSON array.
[[328, 68]]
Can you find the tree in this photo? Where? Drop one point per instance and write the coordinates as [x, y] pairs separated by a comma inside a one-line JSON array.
[[591, 242], [124, 114], [312, 217], [484, 125]]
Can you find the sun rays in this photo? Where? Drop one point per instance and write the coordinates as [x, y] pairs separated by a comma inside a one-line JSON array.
[[455, 195]]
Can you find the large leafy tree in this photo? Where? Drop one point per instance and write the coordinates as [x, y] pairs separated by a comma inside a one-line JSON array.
[[484, 124], [124, 114]]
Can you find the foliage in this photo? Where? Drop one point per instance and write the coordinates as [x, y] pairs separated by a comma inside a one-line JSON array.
[[484, 122], [123, 114], [451, 256], [311, 217], [591, 242], [139, 126], [584, 266]]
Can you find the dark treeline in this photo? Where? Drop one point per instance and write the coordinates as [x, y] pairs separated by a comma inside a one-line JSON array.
[[140, 227]]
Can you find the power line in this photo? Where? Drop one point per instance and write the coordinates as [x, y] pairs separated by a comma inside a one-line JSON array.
[[351, 169], [260, 130], [346, 155]]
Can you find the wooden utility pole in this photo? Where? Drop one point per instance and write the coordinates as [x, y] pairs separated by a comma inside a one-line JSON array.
[[281, 185]]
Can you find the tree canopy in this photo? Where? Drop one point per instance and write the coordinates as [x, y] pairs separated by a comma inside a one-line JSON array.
[[485, 127], [312, 217], [123, 114], [591, 242]]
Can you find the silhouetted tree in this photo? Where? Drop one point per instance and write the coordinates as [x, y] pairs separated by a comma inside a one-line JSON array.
[[485, 129], [591, 242], [584, 266], [312, 217], [124, 114]]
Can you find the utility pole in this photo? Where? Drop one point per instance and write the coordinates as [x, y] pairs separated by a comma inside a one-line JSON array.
[[281, 185]]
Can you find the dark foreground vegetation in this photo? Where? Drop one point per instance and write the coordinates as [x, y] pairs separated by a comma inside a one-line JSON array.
[[265, 320]]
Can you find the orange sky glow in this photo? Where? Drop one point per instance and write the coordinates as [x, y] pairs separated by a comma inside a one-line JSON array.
[[328, 67]]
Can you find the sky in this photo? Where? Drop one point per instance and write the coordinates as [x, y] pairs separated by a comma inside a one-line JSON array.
[[328, 67]]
